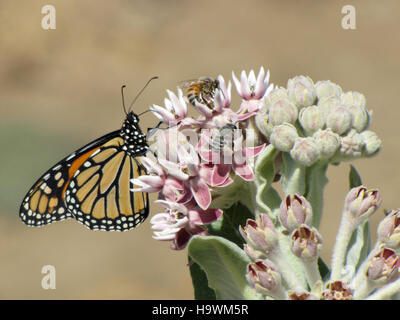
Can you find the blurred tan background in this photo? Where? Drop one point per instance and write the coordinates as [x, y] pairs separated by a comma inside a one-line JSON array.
[[60, 89]]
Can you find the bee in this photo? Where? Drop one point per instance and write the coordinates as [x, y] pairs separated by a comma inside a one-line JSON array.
[[223, 138], [202, 90]]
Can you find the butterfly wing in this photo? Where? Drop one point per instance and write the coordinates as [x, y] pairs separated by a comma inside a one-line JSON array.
[[99, 194], [45, 201]]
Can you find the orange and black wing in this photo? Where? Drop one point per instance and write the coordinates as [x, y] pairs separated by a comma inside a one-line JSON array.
[[99, 194], [47, 202]]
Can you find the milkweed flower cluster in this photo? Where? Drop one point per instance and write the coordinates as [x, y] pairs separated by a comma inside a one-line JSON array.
[[216, 175], [374, 276], [197, 156], [314, 122]]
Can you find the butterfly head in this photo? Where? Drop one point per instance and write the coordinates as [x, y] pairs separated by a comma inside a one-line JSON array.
[[135, 140], [133, 118]]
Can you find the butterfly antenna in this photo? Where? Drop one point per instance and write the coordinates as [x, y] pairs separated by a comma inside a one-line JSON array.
[[123, 98], [140, 92]]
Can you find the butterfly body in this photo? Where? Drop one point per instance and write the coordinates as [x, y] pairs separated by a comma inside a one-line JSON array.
[[92, 184]]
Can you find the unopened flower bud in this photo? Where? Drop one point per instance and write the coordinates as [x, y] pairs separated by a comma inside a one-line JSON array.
[[327, 88], [389, 230], [276, 95], [327, 141], [306, 242], [283, 137], [301, 91], [352, 144], [383, 267], [260, 234], [327, 104], [301, 295], [337, 290], [361, 203], [353, 98], [360, 117], [371, 142], [311, 119], [282, 111], [264, 124], [294, 211], [253, 253], [339, 120], [264, 277], [305, 151]]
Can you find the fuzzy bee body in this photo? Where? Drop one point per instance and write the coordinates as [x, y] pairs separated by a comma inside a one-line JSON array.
[[223, 138], [202, 91]]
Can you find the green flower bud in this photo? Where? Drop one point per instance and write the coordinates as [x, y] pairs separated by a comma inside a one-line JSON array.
[[352, 144], [353, 98], [327, 141], [282, 111], [311, 119], [327, 104], [263, 124], [360, 117], [301, 91], [372, 143], [305, 151], [327, 88], [339, 120], [275, 95], [283, 137]]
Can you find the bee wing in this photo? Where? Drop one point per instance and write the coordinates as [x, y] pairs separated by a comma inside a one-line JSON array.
[[185, 84]]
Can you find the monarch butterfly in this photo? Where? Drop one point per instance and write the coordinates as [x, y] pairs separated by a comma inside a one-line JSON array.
[[92, 184]]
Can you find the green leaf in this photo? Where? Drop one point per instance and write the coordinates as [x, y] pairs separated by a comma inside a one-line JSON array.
[[228, 225], [323, 269], [225, 265], [200, 283], [354, 178]]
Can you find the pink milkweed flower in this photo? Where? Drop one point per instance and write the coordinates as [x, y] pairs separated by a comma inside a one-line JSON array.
[[252, 90], [223, 98], [235, 156], [157, 180], [192, 174], [175, 110], [180, 222]]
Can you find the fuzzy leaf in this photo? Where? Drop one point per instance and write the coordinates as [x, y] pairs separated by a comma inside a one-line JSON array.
[[200, 283], [225, 265]]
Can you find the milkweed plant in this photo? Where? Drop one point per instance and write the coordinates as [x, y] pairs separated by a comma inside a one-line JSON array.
[[217, 176]]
